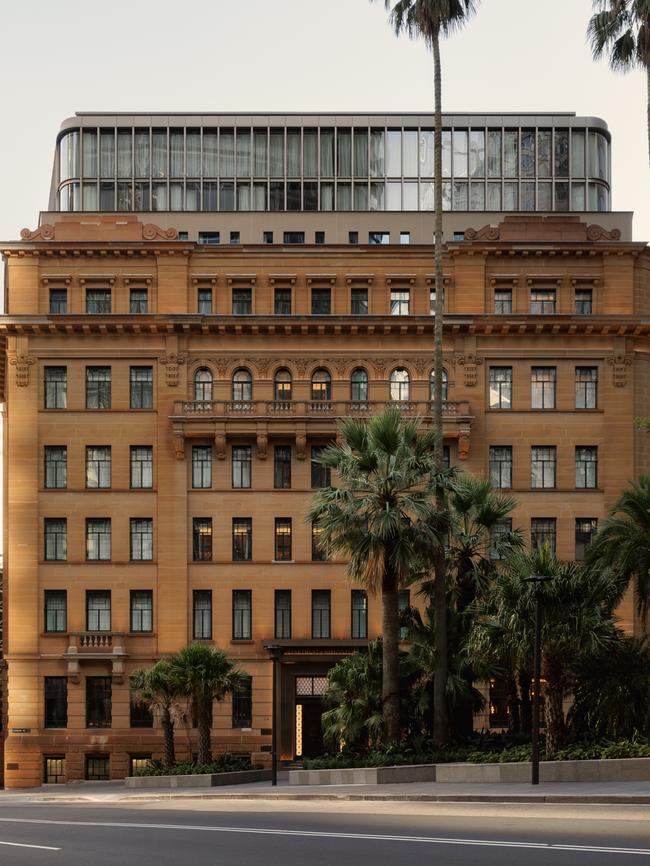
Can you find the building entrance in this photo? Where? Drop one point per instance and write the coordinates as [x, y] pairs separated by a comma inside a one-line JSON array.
[[309, 709]]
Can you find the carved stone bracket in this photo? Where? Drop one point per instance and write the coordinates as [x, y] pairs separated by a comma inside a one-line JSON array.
[[463, 443], [301, 443], [470, 364], [487, 233], [22, 363], [172, 362], [152, 232], [179, 443], [42, 233], [598, 233], [220, 443], [262, 442], [619, 365]]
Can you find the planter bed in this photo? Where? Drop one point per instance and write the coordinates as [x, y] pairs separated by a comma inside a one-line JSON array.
[[199, 780]]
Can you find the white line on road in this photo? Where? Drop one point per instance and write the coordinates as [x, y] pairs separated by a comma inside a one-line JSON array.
[[321, 834], [25, 845]]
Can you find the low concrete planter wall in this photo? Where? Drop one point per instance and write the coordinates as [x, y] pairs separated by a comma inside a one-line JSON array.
[[615, 770], [200, 780]]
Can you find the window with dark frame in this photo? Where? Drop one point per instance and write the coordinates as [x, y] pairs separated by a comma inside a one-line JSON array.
[[543, 531], [400, 302], [138, 763], [202, 539], [235, 238], [202, 614], [321, 302], [267, 237], [359, 385], [141, 466], [542, 302], [282, 302], [503, 302], [141, 538], [353, 237], [241, 466], [586, 387], [242, 302], [359, 626], [99, 692], [282, 385], [499, 531], [210, 238], [98, 387], [500, 387], [98, 302], [583, 302], [56, 702], [501, 466], [98, 610], [282, 551], [242, 703], [56, 610], [98, 466], [97, 768], [321, 386], [140, 716], [55, 475], [55, 387], [359, 302], [321, 475], [201, 466], [54, 769], [543, 466], [242, 614], [58, 302], [542, 385], [242, 539], [242, 387], [282, 614], [141, 387], [204, 302], [586, 467], [282, 467], [139, 302], [585, 530], [293, 237], [141, 610], [319, 237], [56, 538], [98, 538], [320, 613], [318, 554], [203, 385]]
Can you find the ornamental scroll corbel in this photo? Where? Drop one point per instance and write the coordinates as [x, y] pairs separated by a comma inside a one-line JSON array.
[[301, 443], [463, 443], [619, 365], [172, 362], [262, 443], [470, 364], [179, 444], [22, 363], [220, 443]]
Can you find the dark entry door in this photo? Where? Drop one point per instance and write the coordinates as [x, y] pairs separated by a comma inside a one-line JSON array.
[[312, 732]]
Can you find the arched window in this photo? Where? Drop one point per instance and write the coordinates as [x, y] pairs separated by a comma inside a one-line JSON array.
[[359, 385], [242, 385], [445, 385], [321, 385], [282, 384], [203, 384], [400, 384]]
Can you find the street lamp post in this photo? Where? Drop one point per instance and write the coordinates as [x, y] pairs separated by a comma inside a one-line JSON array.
[[276, 652], [537, 579]]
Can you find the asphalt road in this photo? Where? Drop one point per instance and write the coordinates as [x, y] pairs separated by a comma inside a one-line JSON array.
[[220, 835]]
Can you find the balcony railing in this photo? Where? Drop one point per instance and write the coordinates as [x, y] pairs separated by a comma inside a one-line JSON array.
[[100, 642], [187, 409]]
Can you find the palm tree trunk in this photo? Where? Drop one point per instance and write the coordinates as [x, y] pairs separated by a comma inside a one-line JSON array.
[[390, 659], [440, 716], [514, 707], [169, 755], [203, 719], [553, 692], [525, 703]]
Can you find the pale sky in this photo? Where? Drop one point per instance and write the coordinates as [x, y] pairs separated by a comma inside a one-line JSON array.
[[295, 55]]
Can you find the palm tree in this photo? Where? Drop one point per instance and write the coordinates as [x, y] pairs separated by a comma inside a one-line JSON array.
[[157, 690], [381, 517], [204, 674], [622, 544], [622, 28], [577, 619], [431, 20]]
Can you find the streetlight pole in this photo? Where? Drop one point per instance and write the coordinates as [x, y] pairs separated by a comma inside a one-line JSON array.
[[537, 579], [275, 651]]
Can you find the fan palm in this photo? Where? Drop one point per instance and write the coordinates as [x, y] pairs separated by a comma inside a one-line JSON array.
[[157, 690], [381, 517], [430, 20], [622, 29], [622, 544], [204, 674]]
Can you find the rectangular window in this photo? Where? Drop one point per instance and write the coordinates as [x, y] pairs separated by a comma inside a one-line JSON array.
[[501, 466], [542, 302], [359, 302], [319, 237], [586, 467], [98, 702], [210, 238], [320, 613], [235, 237], [584, 302], [141, 387], [58, 302], [318, 554], [293, 237], [54, 769], [201, 466], [498, 533], [542, 387], [353, 237], [282, 467], [242, 539], [359, 630], [242, 614], [98, 466], [141, 466], [267, 237], [56, 467], [241, 466], [204, 302], [405, 237], [321, 302], [97, 768], [282, 302], [282, 539], [503, 302], [202, 614], [141, 538], [56, 610], [56, 387], [242, 704], [586, 528], [500, 387], [432, 302], [399, 302], [98, 538], [321, 476], [542, 531], [586, 387], [139, 302], [283, 614], [98, 610], [543, 466], [98, 302], [141, 610], [242, 302], [202, 539], [56, 702], [56, 538], [379, 237], [98, 387], [140, 716]]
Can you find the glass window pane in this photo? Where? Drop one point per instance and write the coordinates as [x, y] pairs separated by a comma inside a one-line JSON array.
[[477, 153], [393, 195], [90, 153], [477, 196], [210, 151], [260, 152], [361, 196], [410, 153], [327, 196], [377, 153], [142, 162], [494, 196], [527, 153], [446, 153], [243, 153], [343, 196], [107, 152], [460, 195], [226, 153], [561, 196], [193, 144], [561, 152], [527, 196], [544, 153], [276, 154], [393, 153], [327, 152], [360, 152], [427, 160], [544, 196], [577, 196], [344, 152], [377, 196], [511, 153], [293, 153], [124, 155], [510, 196], [176, 152], [410, 201], [494, 153], [460, 153], [427, 196], [159, 153], [310, 152], [577, 153]]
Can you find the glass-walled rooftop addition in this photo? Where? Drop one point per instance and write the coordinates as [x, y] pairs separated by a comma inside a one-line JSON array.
[[331, 168]]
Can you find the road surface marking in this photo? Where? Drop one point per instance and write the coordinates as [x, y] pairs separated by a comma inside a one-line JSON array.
[[431, 840], [25, 845]]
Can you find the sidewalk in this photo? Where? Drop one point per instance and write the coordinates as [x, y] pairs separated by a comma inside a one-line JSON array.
[[620, 793]]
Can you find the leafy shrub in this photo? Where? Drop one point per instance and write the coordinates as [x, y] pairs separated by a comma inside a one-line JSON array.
[[225, 763]]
